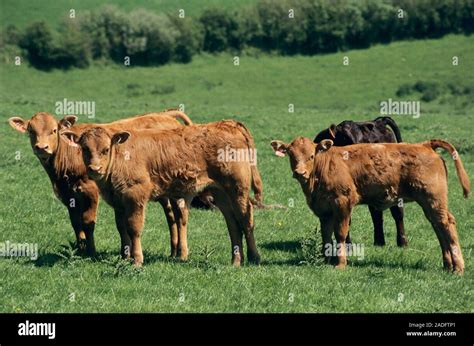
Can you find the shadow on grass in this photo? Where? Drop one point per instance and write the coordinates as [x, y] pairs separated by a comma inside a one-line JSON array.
[[47, 260], [284, 262], [378, 263], [287, 246]]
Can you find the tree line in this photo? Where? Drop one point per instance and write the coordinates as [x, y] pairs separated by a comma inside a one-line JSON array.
[[281, 27]]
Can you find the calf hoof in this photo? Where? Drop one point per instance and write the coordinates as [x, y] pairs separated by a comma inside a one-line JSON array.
[[137, 263], [81, 246], [91, 253], [237, 261], [341, 266], [379, 242], [236, 264], [126, 256], [402, 242], [254, 258]]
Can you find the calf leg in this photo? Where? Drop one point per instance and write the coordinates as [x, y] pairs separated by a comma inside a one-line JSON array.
[[243, 213], [223, 203], [126, 242], [172, 225], [327, 229], [134, 220], [181, 211], [397, 214], [377, 220], [88, 221], [341, 227], [454, 245], [444, 224], [89, 217], [348, 238], [76, 222]]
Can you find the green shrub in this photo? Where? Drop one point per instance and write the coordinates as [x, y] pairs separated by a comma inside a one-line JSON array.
[[189, 40], [46, 50], [220, 30], [404, 90], [37, 41], [430, 94]]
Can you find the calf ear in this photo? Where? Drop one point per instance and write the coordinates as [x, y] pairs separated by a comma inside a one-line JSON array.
[[67, 121], [332, 131], [324, 145], [279, 148], [71, 138], [18, 124], [120, 137]]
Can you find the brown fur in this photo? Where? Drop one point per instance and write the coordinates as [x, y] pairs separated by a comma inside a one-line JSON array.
[[335, 179], [66, 169], [134, 167]]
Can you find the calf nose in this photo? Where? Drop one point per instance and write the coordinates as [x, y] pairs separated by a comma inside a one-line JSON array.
[[95, 168], [300, 172], [40, 146]]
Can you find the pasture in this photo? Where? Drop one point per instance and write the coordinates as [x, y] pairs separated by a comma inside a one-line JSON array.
[[257, 92]]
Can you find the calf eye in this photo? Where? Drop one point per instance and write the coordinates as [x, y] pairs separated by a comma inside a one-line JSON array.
[[105, 151], [54, 131]]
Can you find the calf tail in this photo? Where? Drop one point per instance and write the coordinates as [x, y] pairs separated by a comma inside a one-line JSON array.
[[177, 114], [393, 125], [460, 171], [257, 184]]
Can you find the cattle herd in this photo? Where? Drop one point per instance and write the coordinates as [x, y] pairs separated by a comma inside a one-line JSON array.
[[155, 157]]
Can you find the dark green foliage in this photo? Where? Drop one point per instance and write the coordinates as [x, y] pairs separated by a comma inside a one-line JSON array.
[[221, 30], [285, 27], [46, 50], [404, 89]]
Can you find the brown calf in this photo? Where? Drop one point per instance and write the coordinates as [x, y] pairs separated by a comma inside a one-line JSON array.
[[66, 169], [133, 167], [335, 179]]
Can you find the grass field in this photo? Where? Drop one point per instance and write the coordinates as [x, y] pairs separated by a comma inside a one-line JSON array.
[[23, 12], [257, 92]]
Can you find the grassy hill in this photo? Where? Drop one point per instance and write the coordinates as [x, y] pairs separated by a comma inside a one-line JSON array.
[[257, 92]]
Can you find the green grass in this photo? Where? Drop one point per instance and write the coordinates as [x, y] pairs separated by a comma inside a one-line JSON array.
[[257, 92], [21, 13]]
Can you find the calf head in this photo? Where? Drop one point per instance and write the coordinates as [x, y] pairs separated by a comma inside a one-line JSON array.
[[97, 144], [342, 134], [302, 152], [43, 130]]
